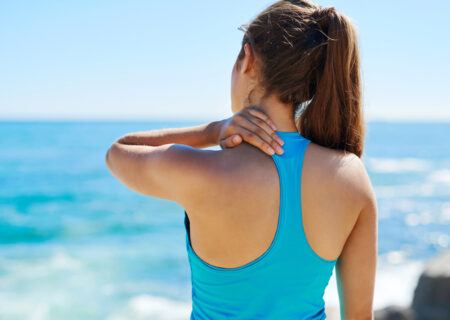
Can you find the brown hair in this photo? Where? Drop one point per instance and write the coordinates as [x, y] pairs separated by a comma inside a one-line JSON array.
[[309, 57]]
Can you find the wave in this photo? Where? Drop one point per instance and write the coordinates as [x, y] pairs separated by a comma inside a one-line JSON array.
[[395, 282], [440, 177], [435, 183], [397, 165], [153, 307]]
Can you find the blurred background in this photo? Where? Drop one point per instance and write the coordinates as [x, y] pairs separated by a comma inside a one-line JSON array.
[[76, 75]]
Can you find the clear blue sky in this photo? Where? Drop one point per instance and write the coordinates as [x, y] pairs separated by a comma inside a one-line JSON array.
[[172, 59]]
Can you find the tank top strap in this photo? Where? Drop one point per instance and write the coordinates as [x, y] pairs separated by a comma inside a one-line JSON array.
[[290, 168]]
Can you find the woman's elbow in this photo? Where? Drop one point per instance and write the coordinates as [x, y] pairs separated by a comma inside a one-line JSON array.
[[111, 157]]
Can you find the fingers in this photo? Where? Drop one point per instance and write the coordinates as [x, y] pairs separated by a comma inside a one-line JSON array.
[[260, 136], [263, 120], [231, 141], [262, 116], [266, 127], [253, 126], [256, 140]]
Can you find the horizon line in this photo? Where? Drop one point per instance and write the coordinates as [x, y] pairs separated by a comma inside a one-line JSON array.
[[194, 119]]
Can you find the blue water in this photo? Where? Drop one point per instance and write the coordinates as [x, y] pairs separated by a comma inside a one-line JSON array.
[[76, 244]]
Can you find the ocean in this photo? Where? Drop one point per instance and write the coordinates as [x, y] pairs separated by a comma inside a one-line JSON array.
[[77, 244]]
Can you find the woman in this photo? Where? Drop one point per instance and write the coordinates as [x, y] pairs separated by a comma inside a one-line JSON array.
[[264, 230]]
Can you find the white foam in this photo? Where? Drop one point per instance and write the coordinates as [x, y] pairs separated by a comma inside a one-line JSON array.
[[63, 261], [25, 270], [40, 312], [152, 307], [444, 217], [397, 165], [395, 282], [407, 191], [14, 306], [440, 177]]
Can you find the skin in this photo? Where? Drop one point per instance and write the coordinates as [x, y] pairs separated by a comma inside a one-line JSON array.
[[232, 195]]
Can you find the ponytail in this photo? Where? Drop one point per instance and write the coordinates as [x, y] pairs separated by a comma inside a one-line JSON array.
[[310, 60], [333, 118]]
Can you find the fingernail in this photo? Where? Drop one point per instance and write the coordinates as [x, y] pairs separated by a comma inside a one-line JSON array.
[[280, 150], [271, 151], [280, 141]]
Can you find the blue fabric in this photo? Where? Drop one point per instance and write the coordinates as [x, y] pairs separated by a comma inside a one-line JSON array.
[[287, 281]]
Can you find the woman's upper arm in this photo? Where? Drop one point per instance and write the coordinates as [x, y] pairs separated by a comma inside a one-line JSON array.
[[171, 171], [356, 266]]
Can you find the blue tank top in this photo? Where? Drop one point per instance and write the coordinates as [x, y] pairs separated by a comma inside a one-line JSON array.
[[287, 281]]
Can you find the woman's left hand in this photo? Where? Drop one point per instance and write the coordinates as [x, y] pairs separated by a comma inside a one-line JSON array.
[[253, 126]]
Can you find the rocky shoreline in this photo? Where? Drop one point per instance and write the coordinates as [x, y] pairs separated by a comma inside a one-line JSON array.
[[431, 300]]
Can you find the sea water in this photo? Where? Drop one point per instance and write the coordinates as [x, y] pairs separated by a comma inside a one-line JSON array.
[[77, 244]]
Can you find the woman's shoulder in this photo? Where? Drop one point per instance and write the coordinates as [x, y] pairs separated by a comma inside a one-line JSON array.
[[343, 171]]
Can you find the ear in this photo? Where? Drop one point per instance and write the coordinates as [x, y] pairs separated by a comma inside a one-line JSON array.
[[247, 63]]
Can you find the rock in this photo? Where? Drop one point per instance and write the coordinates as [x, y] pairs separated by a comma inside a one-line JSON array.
[[394, 313], [431, 299]]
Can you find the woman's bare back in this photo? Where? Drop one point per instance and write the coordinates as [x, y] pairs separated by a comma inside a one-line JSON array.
[[236, 219]]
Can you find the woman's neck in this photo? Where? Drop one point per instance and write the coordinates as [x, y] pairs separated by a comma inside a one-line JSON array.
[[280, 113]]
